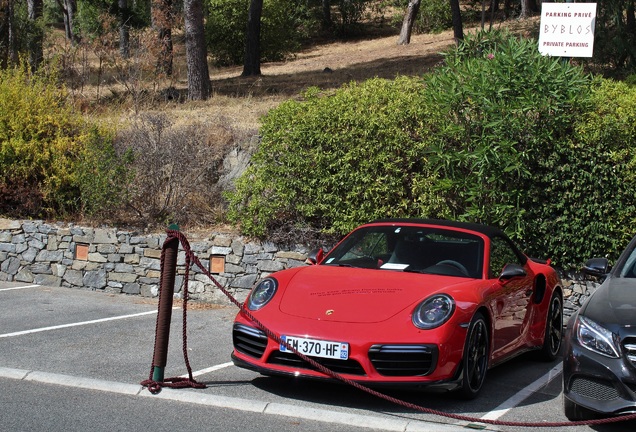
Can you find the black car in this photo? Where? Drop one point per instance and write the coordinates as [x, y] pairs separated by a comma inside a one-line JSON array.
[[599, 363]]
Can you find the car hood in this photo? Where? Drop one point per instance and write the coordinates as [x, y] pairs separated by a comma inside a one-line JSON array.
[[342, 294], [614, 302]]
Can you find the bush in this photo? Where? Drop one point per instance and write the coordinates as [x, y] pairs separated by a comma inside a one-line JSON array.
[[333, 160], [40, 139], [536, 147], [176, 169], [499, 134], [588, 204], [104, 176], [435, 16], [47, 150], [503, 109]]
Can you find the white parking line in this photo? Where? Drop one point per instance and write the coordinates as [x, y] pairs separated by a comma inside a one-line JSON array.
[[207, 370], [19, 288], [521, 395], [43, 329]]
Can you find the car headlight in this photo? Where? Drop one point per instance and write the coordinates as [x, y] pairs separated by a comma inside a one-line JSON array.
[[433, 312], [596, 337], [262, 293]]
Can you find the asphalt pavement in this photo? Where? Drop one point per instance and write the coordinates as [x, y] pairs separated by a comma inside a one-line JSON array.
[[75, 359]]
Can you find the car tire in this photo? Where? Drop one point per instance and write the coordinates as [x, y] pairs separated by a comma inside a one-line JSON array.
[[576, 412], [475, 361], [553, 329]]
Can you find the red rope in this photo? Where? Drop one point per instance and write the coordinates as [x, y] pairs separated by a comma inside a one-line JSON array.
[[191, 258]]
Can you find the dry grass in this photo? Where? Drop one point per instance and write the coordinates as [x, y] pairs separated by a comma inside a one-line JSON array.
[[239, 103], [246, 99]]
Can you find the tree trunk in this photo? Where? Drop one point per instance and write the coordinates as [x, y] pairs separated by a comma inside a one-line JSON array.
[[252, 64], [327, 22], [124, 28], [161, 15], [199, 86], [69, 8], [36, 36], [407, 23], [528, 7], [524, 9], [458, 29], [5, 31]]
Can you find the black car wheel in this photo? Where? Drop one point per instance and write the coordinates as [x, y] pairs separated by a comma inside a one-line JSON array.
[[553, 329], [475, 362], [576, 412]]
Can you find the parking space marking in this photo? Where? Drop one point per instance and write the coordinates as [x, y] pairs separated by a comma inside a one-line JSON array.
[[43, 329], [207, 370], [19, 288], [522, 394]]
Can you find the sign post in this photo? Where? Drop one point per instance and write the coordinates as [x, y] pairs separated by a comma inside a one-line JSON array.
[[567, 29]]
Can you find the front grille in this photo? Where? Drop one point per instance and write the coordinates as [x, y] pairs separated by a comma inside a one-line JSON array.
[[248, 340], [629, 346], [594, 388], [291, 360], [403, 360]]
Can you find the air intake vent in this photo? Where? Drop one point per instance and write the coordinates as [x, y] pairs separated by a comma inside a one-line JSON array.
[[403, 360], [351, 367], [249, 341], [594, 389]]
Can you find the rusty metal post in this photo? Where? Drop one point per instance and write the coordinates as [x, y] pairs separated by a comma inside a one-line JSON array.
[[166, 294]]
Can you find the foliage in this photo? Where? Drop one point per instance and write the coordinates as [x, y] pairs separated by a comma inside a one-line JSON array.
[[435, 16], [499, 134], [333, 160], [42, 146], [39, 139], [103, 176], [283, 27], [350, 13], [588, 204], [90, 22], [615, 35], [175, 170], [504, 110], [501, 105]]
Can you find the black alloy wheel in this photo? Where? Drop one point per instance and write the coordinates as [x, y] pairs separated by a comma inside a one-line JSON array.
[[553, 329], [475, 362]]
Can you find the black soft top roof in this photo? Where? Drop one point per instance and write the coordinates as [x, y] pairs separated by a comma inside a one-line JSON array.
[[484, 229]]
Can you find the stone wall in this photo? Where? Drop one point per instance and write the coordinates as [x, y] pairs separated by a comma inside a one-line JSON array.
[[56, 254]]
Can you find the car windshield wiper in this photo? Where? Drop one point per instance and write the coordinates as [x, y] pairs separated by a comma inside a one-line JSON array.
[[410, 270]]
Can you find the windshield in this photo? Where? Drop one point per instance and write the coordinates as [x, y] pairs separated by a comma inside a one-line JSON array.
[[627, 268], [433, 250]]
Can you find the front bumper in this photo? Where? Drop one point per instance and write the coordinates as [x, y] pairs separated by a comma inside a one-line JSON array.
[[388, 364], [601, 384]]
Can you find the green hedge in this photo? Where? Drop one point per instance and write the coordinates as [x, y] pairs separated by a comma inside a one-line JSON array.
[[499, 134], [333, 160]]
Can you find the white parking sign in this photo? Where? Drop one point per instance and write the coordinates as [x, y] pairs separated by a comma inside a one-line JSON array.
[[567, 29]]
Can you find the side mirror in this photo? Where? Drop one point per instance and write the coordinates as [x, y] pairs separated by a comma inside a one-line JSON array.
[[598, 267], [315, 256], [511, 271]]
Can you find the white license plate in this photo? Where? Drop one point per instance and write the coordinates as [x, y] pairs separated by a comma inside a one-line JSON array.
[[316, 348]]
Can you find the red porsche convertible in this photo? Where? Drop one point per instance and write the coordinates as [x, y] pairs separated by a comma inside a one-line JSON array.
[[405, 302]]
